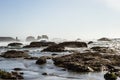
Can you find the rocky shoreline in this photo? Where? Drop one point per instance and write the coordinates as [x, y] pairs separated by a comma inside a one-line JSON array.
[[93, 59]]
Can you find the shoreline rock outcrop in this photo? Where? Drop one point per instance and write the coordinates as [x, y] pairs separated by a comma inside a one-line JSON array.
[[103, 50], [86, 62], [15, 54]]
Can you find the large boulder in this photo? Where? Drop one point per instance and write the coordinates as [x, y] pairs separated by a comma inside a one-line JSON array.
[[73, 44], [86, 62], [15, 54], [61, 46], [104, 39], [39, 44]]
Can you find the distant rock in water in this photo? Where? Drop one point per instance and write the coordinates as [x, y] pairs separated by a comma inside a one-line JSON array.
[[6, 39], [73, 44], [39, 37], [39, 44], [30, 38], [104, 39], [44, 37], [15, 44], [15, 54]]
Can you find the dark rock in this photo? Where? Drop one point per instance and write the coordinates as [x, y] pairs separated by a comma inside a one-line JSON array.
[[17, 69], [90, 42], [10, 76], [61, 46], [63, 69], [54, 48], [103, 49], [21, 73], [5, 75], [15, 44], [73, 44], [104, 39], [39, 44], [86, 62], [15, 54], [44, 73], [110, 76], [41, 60], [20, 76], [17, 75], [54, 54]]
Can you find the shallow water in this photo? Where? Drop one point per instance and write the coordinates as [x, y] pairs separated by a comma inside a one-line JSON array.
[[33, 71]]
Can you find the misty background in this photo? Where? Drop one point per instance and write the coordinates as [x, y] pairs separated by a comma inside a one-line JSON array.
[[69, 19]]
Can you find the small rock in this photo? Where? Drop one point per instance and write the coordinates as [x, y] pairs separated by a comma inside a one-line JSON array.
[[17, 69], [44, 73], [41, 60], [54, 54]]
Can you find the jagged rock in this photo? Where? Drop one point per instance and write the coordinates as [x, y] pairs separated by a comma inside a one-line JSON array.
[[15, 54]]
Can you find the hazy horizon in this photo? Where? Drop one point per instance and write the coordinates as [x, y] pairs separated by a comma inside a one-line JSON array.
[[68, 19]]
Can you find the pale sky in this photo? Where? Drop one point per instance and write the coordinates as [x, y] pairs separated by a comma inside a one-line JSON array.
[[69, 19]]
